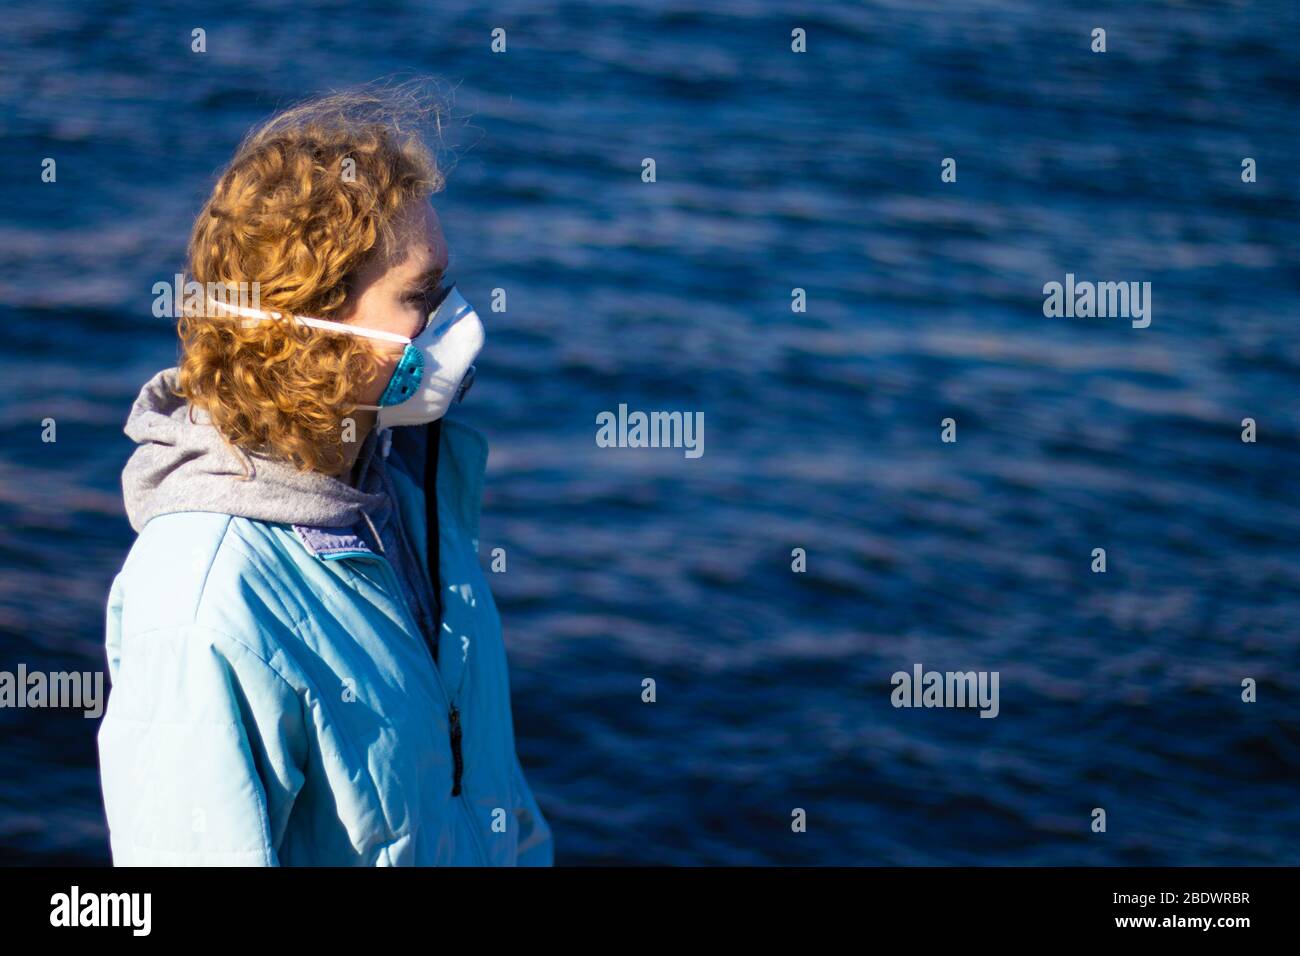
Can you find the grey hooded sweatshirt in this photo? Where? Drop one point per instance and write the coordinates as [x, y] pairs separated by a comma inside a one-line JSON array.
[[183, 464]]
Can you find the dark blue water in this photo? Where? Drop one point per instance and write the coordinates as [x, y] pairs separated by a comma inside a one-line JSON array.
[[775, 171]]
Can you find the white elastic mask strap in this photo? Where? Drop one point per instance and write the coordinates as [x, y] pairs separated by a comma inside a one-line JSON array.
[[254, 316]]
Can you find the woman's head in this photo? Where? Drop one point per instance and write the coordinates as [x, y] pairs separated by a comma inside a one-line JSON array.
[[325, 207]]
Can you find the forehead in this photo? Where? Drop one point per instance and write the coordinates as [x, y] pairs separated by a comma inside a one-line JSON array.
[[418, 243]]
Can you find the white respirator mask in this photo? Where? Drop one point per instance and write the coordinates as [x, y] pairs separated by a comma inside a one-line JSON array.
[[436, 367]]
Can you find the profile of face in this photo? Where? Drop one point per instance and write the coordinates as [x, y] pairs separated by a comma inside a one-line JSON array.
[[395, 293]]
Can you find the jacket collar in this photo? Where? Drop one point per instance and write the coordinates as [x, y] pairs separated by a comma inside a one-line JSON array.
[[331, 544], [462, 463]]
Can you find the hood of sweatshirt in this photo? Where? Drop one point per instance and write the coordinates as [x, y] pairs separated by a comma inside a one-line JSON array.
[[183, 464]]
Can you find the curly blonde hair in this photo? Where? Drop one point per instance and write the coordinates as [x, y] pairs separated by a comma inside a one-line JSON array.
[[291, 214]]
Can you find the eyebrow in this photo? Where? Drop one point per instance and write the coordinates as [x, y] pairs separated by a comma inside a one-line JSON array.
[[427, 278]]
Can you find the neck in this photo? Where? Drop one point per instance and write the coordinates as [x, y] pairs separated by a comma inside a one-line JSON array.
[[363, 423]]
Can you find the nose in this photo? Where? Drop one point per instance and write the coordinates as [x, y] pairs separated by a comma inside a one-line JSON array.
[[438, 297]]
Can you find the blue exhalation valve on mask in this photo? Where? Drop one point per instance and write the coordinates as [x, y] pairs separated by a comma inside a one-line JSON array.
[[405, 380], [436, 367]]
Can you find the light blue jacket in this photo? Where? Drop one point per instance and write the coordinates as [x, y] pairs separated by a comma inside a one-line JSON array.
[[273, 702]]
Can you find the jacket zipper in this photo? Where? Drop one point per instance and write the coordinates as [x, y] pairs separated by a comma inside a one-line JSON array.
[[455, 750], [453, 714]]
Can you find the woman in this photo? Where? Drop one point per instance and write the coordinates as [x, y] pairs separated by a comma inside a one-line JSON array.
[[307, 665]]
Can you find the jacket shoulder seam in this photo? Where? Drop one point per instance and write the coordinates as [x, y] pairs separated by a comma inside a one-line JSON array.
[[207, 572]]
